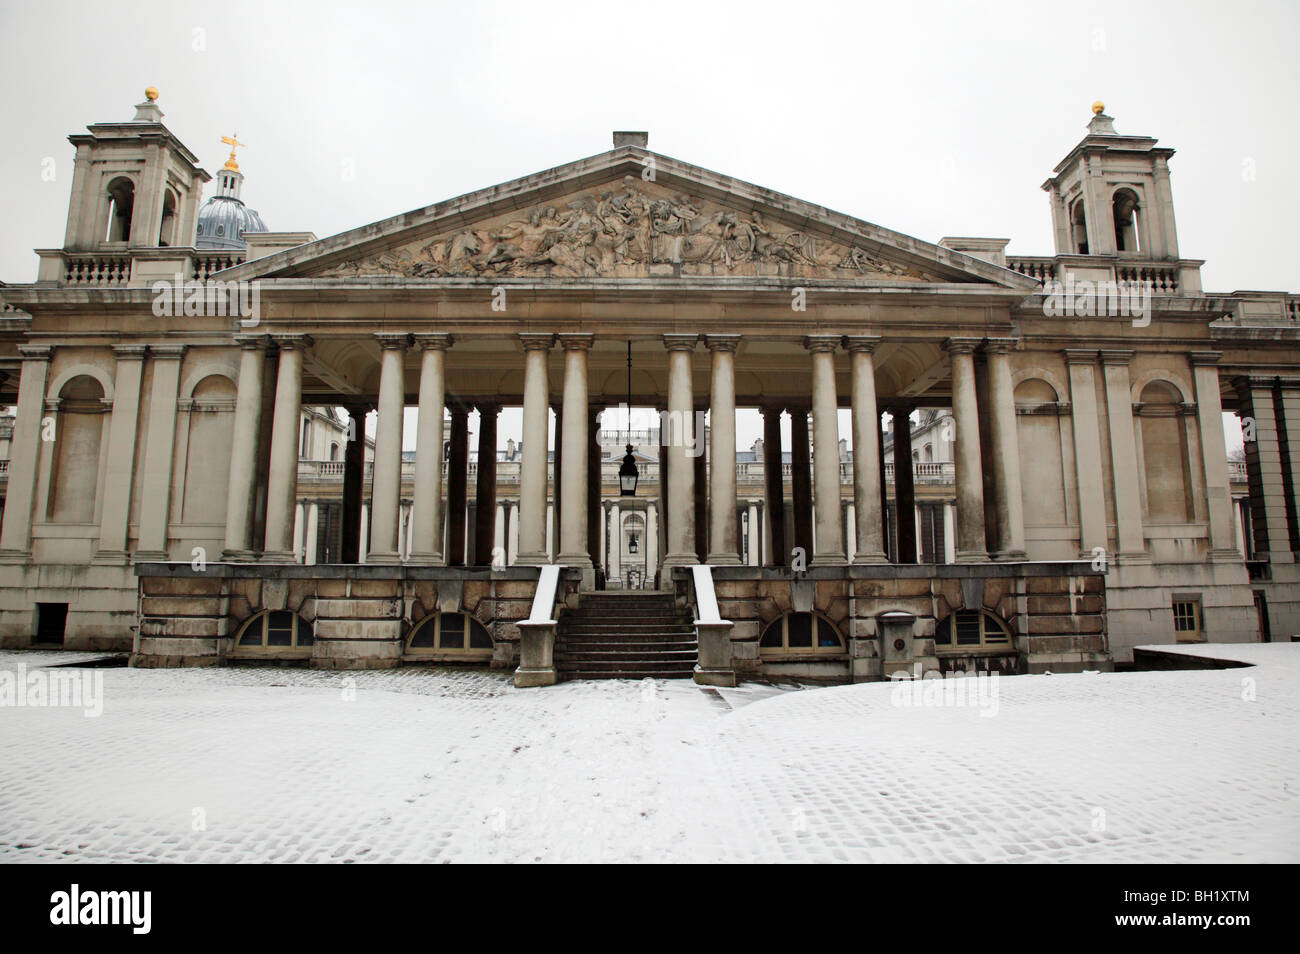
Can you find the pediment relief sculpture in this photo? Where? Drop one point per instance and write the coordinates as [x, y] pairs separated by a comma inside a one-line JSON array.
[[629, 232]]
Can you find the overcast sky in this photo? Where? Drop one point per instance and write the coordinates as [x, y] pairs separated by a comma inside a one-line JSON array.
[[931, 119]]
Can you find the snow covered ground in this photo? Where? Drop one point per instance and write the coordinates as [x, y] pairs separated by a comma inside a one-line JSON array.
[[421, 766]]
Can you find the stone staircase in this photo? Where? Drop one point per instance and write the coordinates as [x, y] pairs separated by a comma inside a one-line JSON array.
[[631, 635]]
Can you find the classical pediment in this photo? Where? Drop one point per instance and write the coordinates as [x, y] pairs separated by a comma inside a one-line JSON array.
[[628, 230], [632, 214]]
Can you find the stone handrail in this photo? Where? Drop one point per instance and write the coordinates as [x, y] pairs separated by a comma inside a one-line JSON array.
[[537, 633], [712, 632]]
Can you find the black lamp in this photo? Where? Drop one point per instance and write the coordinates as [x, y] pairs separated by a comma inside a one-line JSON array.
[[631, 543], [627, 474]]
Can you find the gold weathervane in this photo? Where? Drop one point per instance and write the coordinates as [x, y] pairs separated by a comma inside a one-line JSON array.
[[232, 142]]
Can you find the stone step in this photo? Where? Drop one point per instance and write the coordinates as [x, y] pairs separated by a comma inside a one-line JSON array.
[[638, 674], [614, 626], [625, 645], [623, 665], [628, 655]]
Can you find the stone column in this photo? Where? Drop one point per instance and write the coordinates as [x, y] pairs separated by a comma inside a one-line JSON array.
[[1008, 496], [801, 480], [24, 453], [1268, 509], [904, 485], [1286, 398], [574, 549], [1087, 450], [512, 534], [615, 542], [299, 529], [1123, 452], [557, 485], [774, 488], [829, 536], [282, 485], [722, 450], [159, 447], [851, 535], [701, 510], [949, 533], [118, 472], [595, 526], [365, 533], [1214, 454], [386, 481], [651, 538], [312, 542], [869, 521], [426, 517], [499, 526], [533, 463], [457, 485], [485, 487], [681, 468], [354, 474], [969, 468], [241, 489], [754, 552]]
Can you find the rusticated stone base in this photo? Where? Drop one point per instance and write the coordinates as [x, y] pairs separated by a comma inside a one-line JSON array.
[[360, 615]]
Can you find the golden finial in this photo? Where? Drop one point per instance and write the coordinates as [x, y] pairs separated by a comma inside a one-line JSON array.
[[232, 142], [151, 93], [1098, 108]]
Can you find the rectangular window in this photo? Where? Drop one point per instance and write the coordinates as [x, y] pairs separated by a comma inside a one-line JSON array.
[[1187, 620]]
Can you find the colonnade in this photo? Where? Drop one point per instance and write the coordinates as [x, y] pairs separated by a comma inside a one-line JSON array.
[[988, 520]]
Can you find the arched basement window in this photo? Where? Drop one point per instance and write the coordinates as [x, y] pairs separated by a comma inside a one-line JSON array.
[[1079, 227], [275, 629], [121, 203], [450, 633], [1124, 207], [971, 629], [800, 633]]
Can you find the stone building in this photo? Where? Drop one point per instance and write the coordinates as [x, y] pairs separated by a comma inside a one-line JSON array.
[[1069, 492]]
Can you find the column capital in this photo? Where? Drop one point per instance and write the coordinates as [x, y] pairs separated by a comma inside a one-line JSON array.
[[1204, 358], [167, 352], [728, 343], [435, 342], [956, 346], [681, 342], [1080, 356], [253, 342], [536, 342], [292, 342], [857, 343], [574, 341], [998, 345], [1116, 357], [488, 407], [390, 342], [129, 352], [819, 344], [30, 352]]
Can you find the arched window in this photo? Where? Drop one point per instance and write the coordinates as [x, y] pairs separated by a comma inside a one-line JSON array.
[[276, 631], [334, 450], [306, 439], [167, 228], [1124, 208], [965, 630], [79, 435], [1079, 227], [446, 634], [207, 455], [799, 633], [1039, 423], [121, 203]]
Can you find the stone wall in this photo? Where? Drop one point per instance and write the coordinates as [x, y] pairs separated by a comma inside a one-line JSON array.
[[887, 615], [361, 615]]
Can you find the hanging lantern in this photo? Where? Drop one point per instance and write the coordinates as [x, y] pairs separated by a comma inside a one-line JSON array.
[[627, 475], [631, 543]]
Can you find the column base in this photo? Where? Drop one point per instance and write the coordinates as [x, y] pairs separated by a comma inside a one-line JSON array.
[[538, 558], [152, 556], [387, 559], [238, 556], [432, 558], [1010, 556], [1230, 555], [279, 556], [723, 559], [111, 558], [869, 559], [830, 559], [972, 556], [15, 556]]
